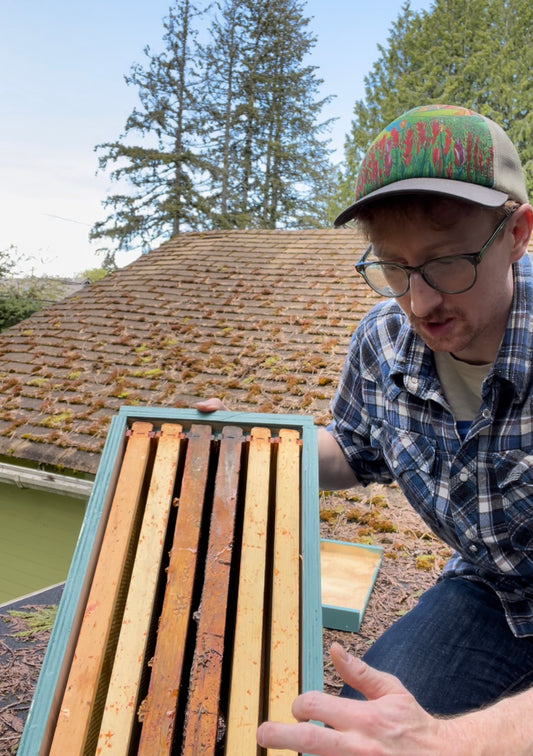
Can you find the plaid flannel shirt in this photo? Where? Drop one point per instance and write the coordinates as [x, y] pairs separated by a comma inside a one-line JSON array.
[[393, 422]]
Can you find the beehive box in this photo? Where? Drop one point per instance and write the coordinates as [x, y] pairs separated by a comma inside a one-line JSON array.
[[348, 573], [129, 450]]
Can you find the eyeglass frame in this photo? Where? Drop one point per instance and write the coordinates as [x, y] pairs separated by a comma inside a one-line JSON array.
[[474, 258]]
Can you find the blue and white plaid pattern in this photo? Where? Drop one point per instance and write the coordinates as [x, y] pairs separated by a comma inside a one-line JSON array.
[[393, 422]]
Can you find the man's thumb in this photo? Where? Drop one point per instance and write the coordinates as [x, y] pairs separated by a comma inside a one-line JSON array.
[[369, 681]]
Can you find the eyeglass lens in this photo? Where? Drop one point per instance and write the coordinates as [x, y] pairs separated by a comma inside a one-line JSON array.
[[449, 275]]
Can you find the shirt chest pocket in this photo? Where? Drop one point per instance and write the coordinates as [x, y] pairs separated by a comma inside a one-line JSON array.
[[409, 456], [513, 473]]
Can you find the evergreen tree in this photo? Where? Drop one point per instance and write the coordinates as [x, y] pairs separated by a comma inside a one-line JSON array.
[[273, 158], [224, 59], [231, 128], [289, 174], [164, 196], [473, 53]]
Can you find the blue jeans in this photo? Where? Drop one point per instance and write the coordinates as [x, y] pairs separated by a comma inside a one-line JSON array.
[[454, 650]]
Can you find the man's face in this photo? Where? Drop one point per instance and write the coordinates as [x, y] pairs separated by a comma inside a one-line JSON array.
[[469, 325]]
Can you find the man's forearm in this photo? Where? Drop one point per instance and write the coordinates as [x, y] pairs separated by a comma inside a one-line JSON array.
[[334, 471], [503, 728]]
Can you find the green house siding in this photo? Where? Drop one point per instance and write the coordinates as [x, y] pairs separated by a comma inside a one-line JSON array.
[[38, 533]]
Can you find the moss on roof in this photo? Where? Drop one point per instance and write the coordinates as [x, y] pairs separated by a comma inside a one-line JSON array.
[[261, 319]]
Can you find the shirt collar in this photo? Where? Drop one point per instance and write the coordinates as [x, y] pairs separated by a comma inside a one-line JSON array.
[[514, 361]]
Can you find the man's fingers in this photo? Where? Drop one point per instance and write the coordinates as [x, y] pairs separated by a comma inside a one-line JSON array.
[[370, 682], [303, 738], [334, 711], [210, 405], [341, 713]]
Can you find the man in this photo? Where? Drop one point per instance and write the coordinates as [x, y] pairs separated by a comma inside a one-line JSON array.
[[436, 394]]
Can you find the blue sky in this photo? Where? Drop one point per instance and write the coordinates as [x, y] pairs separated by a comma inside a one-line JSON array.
[[62, 91]]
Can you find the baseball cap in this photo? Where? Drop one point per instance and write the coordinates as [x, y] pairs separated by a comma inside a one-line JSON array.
[[441, 149]]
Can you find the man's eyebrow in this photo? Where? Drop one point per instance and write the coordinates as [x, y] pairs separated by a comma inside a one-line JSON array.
[[439, 250]]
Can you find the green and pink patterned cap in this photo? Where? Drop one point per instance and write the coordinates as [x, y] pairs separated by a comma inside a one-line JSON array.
[[441, 149]]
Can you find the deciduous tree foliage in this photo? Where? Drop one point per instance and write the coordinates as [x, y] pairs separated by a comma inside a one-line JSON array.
[[230, 127], [474, 53], [20, 298]]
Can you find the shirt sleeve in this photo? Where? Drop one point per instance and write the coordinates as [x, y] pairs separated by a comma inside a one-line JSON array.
[[353, 410]]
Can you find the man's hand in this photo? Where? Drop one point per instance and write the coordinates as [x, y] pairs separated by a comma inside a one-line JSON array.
[[210, 405], [389, 722]]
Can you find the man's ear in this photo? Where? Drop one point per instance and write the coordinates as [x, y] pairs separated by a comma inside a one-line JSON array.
[[521, 228]]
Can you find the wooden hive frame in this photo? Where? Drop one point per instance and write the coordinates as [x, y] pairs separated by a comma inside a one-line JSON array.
[[282, 447]]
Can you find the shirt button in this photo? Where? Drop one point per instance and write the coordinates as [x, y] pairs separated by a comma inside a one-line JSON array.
[[463, 477], [413, 382], [473, 549], [395, 464], [485, 414]]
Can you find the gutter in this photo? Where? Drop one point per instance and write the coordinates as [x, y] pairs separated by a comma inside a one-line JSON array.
[[39, 480]]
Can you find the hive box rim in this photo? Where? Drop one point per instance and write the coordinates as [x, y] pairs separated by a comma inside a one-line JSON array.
[[344, 618], [71, 601]]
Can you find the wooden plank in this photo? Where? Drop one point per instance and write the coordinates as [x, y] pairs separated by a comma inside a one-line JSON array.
[[204, 687], [247, 668], [158, 711], [285, 615], [94, 652], [119, 719]]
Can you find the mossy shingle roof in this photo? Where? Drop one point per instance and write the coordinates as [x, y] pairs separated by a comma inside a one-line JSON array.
[[262, 319]]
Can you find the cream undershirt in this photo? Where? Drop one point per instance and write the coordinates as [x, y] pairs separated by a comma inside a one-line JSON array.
[[461, 383]]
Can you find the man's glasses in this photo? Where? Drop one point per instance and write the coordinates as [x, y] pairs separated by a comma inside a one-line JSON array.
[[453, 274]]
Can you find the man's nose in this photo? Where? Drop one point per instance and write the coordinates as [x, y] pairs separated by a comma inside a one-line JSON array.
[[424, 298]]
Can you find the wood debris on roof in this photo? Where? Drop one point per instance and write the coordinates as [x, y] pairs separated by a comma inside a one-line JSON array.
[[261, 319]]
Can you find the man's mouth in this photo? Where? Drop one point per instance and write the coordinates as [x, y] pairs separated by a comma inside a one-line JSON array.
[[434, 328]]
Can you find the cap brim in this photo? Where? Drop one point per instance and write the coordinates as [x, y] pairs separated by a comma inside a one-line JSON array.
[[480, 195]]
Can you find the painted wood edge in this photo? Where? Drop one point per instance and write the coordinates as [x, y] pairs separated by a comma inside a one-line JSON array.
[[365, 546], [219, 418], [340, 618], [311, 660], [55, 660], [311, 654]]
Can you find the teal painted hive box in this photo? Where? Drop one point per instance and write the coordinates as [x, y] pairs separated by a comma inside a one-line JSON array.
[[202, 528], [348, 574]]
